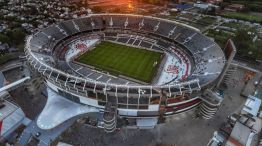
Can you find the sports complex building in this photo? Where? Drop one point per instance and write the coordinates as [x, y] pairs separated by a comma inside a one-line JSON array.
[[124, 70]]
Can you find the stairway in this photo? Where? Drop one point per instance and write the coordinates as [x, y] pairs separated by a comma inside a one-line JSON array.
[[228, 77], [110, 117]]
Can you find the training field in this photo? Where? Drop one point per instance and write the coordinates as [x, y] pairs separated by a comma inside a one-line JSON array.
[[118, 59]]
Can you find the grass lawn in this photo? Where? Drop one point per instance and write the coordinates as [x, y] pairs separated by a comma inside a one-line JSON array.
[[235, 25], [123, 60], [253, 5], [206, 21], [220, 37], [197, 25], [243, 16]]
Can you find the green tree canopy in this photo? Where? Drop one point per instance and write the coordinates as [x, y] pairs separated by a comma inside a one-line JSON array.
[[4, 39], [16, 36], [243, 40]]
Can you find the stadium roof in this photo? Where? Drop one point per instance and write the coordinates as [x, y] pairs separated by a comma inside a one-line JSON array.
[[208, 56]]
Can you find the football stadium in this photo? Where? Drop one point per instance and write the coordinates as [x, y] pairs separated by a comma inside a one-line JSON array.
[[123, 70]]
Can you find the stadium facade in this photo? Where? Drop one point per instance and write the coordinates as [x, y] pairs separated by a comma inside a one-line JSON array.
[[191, 64]]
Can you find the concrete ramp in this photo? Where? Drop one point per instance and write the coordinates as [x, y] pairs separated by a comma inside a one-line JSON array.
[[58, 109]]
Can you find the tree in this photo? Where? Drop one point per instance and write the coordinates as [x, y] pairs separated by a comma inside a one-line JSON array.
[[155, 2], [242, 39], [243, 42], [116, 10], [4, 39], [18, 35], [97, 9]]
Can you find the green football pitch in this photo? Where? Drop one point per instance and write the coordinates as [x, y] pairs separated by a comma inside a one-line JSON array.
[[119, 59]]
